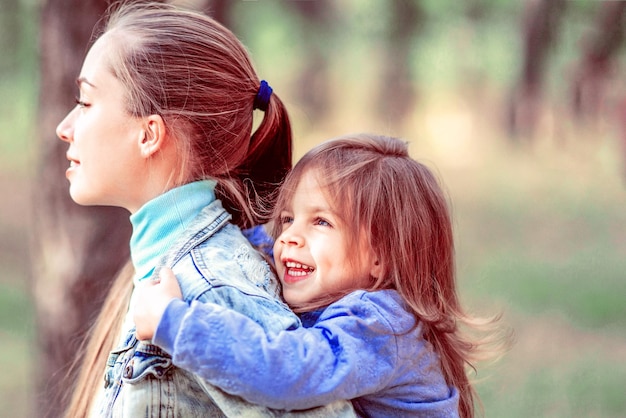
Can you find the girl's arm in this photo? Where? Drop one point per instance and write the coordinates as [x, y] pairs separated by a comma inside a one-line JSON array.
[[351, 352], [343, 357]]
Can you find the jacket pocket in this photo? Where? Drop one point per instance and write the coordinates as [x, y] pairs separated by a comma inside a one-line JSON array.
[[147, 360]]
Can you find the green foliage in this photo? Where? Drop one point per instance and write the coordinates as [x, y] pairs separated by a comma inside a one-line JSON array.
[[588, 287], [18, 29], [17, 334], [18, 121], [585, 387], [16, 310], [17, 356], [272, 36], [19, 83]]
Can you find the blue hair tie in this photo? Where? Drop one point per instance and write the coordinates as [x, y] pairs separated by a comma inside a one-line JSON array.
[[262, 99]]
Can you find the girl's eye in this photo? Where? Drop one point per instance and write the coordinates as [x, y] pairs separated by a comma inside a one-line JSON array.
[[286, 219], [322, 222], [81, 103]]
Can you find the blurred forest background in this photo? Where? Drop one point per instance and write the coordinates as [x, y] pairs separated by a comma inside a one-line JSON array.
[[526, 129]]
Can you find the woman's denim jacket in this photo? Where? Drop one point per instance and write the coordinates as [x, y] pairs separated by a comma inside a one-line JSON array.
[[213, 262]]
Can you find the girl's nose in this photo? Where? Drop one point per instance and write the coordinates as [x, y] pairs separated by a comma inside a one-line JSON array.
[[65, 129], [291, 237]]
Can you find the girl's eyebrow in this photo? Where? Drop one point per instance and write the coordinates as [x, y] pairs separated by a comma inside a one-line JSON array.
[[81, 80], [323, 211]]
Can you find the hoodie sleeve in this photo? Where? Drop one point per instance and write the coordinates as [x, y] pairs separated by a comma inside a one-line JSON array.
[[350, 352], [169, 324]]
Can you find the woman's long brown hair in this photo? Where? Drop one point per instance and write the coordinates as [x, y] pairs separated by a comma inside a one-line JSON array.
[[101, 340]]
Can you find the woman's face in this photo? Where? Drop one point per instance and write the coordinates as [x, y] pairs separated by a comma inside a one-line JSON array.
[[104, 159]]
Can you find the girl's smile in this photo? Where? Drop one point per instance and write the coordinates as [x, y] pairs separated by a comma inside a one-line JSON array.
[[315, 256], [295, 271]]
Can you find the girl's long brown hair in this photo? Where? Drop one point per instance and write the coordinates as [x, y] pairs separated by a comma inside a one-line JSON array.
[[400, 206], [195, 74]]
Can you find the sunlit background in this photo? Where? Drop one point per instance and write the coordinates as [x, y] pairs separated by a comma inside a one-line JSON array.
[[539, 208]]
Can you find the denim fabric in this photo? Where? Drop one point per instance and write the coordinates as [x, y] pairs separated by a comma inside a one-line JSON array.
[[213, 262]]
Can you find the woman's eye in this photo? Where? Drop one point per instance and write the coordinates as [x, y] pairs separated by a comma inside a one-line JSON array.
[[81, 103]]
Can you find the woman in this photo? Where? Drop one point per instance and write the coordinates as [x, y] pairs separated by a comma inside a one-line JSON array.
[[162, 127]]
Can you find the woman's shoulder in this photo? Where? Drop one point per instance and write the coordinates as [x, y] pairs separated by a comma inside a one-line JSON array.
[[226, 260], [227, 246], [227, 271]]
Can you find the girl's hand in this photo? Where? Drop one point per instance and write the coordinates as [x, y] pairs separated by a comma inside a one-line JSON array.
[[150, 300]]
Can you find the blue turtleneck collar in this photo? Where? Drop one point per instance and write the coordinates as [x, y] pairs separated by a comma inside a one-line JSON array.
[[158, 223]]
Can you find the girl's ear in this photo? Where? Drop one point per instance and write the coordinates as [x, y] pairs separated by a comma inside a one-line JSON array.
[[152, 136], [376, 270]]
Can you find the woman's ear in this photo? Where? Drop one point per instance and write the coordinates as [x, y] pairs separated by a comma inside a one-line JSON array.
[[152, 137]]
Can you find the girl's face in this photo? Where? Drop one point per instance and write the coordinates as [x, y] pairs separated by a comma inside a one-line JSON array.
[[314, 253], [102, 137]]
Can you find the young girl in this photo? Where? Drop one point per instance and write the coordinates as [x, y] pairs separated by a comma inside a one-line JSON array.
[[364, 252], [163, 128]]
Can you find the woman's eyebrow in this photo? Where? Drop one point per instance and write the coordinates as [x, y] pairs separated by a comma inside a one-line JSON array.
[[81, 80]]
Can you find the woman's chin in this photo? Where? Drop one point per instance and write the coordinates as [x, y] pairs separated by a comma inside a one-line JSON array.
[[82, 199]]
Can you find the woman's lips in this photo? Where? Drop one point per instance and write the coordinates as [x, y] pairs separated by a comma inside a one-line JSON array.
[[73, 165]]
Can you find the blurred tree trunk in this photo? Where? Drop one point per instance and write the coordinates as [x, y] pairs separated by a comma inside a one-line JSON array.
[[597, 64], [540, 28], [397, 91], [316, 24], [77, 250]]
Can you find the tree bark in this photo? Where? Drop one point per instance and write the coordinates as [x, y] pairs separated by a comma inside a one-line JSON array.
[[540, 28], [397, 92], [76, 250]]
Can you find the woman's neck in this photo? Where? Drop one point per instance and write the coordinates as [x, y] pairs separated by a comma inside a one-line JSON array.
[[158, 223]]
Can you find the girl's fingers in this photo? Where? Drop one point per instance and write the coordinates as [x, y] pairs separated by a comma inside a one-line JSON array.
[[169, 282]]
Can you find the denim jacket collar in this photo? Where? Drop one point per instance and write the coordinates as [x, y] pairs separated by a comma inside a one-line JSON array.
[[202, 227]]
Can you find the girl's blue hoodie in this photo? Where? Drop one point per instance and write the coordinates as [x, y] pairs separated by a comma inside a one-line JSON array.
[[365, 347]]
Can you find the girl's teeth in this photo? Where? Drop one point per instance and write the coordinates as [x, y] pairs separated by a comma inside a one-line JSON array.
[[297, 273], [293, 264]]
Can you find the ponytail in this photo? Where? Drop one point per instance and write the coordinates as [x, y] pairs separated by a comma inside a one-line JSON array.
[[268, 162], [270, 155]]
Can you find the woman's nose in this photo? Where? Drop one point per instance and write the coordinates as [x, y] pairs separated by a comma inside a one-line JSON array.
[[65, 129]]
